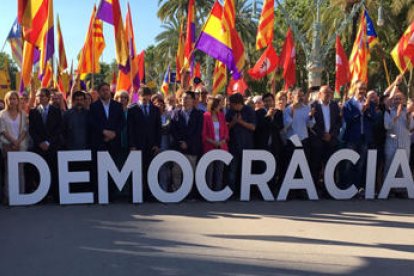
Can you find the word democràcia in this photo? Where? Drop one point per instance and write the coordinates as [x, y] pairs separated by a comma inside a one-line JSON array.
[[106, 167]]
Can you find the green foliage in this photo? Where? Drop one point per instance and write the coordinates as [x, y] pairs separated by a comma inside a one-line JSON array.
[[12, 67]]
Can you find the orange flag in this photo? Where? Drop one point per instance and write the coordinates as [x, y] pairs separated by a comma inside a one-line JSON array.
[[267, 20]]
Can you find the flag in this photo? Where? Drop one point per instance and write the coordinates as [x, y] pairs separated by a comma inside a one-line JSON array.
[[141, 66], [266, 22], [4, 79], [190, 35], [215, 39], [93, 47], [237, 86], [342, 76], [371, 33], [229, 20], [288, 60], [266, 64], [33, 16], [16, 43], [403, 52], [129, 30], [219, 77], [197, 71], [27, 62], [110, 12], [63, 64], [166, 82], [179, 58], [358, 61], [47, 46], [47, 76]]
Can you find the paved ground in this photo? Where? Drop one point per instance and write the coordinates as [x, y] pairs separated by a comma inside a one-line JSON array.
[[196, 238]]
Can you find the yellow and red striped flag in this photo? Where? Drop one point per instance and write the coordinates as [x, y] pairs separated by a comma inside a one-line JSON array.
[[179, 58], [33, 16], [63, 63], [219, 77], [47, 76], [27, 62], [403, 52], [47, 45], [93, 47], [265, 29], [358, 61]]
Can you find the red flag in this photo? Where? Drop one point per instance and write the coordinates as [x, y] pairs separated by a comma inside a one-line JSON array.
[[141, 66], [288, 60], [266, 64], [197, 71], [113, 82], [237, 86], [343, 74]]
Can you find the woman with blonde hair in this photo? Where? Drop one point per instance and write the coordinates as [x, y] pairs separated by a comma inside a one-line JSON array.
[[13, 132]]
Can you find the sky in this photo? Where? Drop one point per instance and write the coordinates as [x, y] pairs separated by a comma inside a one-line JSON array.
[[74, 18]]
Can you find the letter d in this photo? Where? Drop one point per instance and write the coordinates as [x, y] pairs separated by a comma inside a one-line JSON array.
[[15, 197]]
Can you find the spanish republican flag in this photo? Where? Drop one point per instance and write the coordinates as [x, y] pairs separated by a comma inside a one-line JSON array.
[[219, 77], [342, 66], [358, 61], [266, 22], [63, 63], [166, 82], [110, 12], [215, 39], [179, 58], [190, 38], [266, 64], [47, 45], [403, 52], [47, 76], [288, 60], [93, 47]]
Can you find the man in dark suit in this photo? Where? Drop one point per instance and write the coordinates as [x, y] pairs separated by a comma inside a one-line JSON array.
[[106, 119], [324, 134], [186, 129], [359, 115], [144, 130], [45, 130]]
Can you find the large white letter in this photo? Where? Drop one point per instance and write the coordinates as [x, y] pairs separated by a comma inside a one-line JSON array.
[[66, 177], [205, 161], [13, 161], [371, 176], [188, 176], [406, 181], [291, 183], [248, 179], [107, 166], [333, 190]]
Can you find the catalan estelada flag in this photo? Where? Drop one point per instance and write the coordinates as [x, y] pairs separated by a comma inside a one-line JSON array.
[[166, 82], [190, 34], [110, 12], [63, 63], [264, 36], [403, 52], [215, 39], [93, 47], [371, 33], [179, 58], [219, 77], [16, 43], [47, 46], [358, 61]]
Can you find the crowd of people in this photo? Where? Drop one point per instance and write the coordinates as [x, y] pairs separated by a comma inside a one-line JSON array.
[[193, 122]]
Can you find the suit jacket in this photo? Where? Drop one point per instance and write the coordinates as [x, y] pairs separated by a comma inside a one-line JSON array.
[[268, 129], [189, 133], [352, 117], [49, 132], [208, 131], [335, 120], [144, 132], [98, 123]]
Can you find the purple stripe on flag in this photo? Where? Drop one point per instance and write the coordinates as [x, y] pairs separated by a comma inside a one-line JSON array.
[[135, 97], [36, 56], [50, 48], [105, 12], [217, 50], [21, 88], [193, 29], [136, 82]]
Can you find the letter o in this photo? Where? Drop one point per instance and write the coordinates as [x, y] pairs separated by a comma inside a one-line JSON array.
[[188, 176]]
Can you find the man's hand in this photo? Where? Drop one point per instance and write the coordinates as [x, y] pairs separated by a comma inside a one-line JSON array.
[[109, 135], [44, 146]]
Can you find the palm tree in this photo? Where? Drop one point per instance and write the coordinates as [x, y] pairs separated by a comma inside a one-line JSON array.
[[168, 9]]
